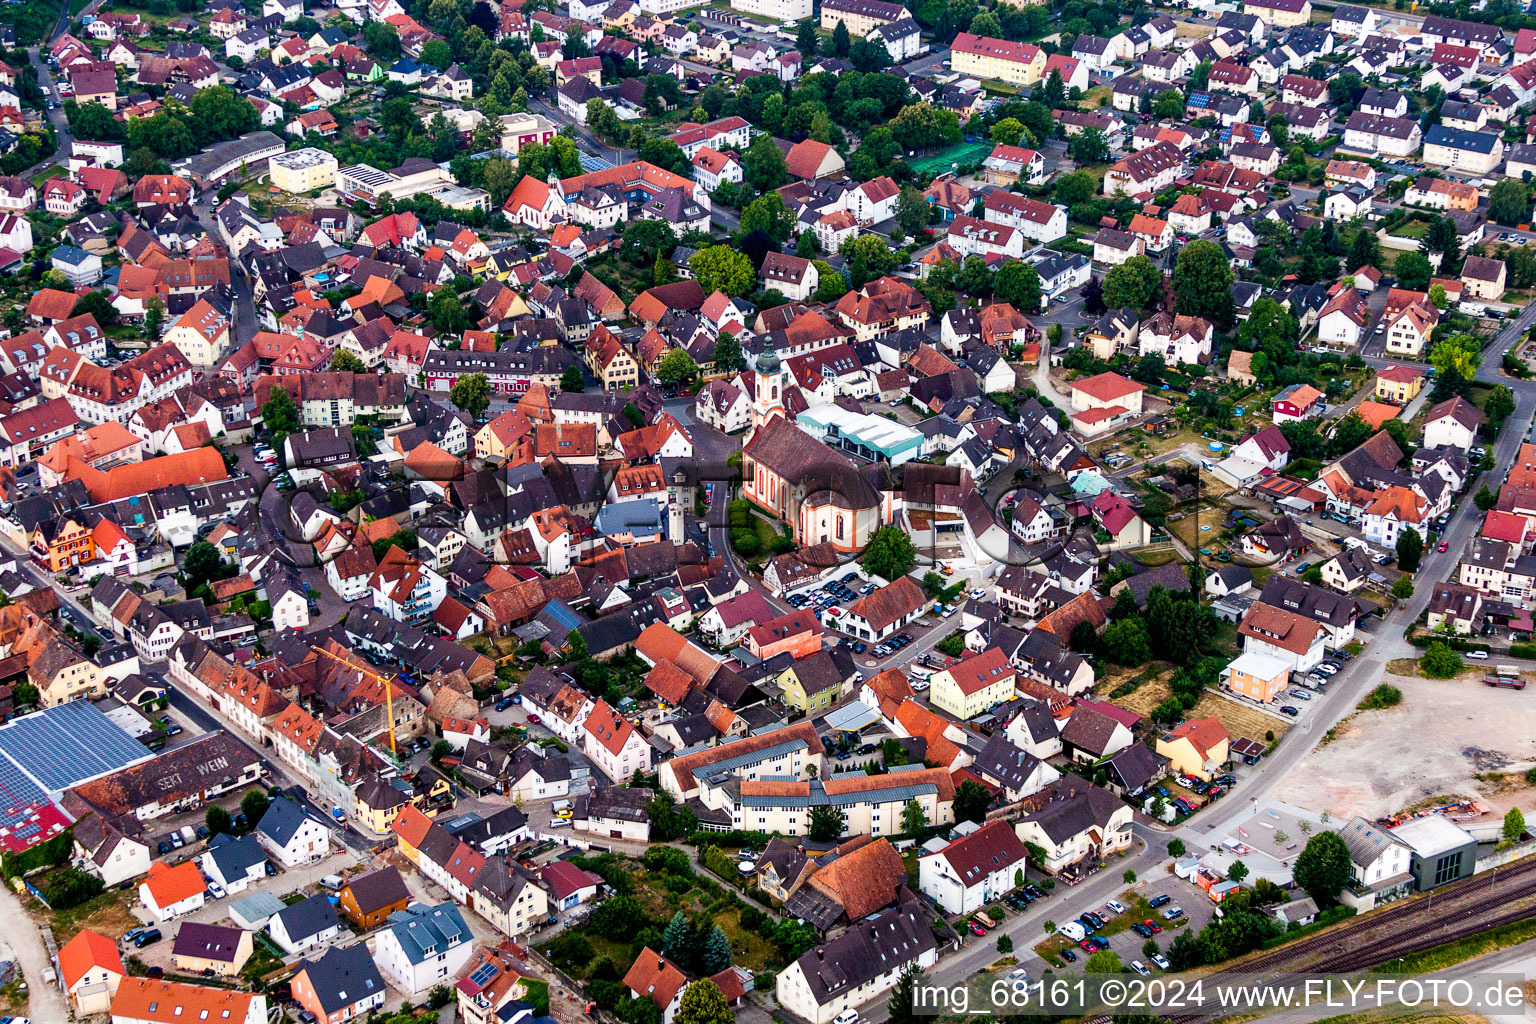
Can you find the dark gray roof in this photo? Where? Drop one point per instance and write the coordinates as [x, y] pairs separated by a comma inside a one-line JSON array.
[[309, 916], [343, 977], [878, 945], [282, 821], [1005, 763], [378, 889], [233, 856]]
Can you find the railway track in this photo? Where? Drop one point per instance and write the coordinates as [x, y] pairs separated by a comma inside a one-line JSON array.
[[1506, 895]]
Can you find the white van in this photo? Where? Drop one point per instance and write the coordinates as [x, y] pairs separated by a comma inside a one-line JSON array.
[[1072, 930], [919, 673]]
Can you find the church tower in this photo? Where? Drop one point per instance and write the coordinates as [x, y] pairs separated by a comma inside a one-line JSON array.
[[768, 397]]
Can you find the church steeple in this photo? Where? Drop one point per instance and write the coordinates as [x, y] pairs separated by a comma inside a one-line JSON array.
[[768, 388]]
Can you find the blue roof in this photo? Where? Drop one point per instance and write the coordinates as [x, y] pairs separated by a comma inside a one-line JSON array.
[[426, 932], [70, 254], [47, 752], [640, 515], [1460, 138]]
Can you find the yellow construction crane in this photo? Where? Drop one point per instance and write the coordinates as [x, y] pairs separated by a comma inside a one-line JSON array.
[[364, 670]]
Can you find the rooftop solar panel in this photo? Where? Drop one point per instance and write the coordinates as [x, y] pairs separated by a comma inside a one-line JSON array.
[[483, 974], [63, 746]]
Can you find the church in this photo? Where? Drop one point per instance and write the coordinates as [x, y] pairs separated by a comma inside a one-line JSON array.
[[820, 492]]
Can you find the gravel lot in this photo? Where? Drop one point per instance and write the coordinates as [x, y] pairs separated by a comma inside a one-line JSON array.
[[1443, 735]]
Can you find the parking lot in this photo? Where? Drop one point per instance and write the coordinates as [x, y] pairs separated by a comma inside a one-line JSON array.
[[1151, 911]]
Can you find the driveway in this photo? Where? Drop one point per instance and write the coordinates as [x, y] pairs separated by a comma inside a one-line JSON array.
[[46, 1001]]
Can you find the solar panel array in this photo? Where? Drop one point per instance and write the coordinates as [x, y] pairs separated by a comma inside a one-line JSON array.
[[483, 974], [62, 747]]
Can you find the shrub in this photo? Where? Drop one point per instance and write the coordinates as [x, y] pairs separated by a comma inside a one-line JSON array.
[[1384, 696]]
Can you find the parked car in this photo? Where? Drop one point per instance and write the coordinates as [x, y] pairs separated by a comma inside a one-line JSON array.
[[1069, 956], [146, 938], [1301, 694], [1290, 710], [1152, 926], [1160, 900], [976, 929], [1161, 962], [1173, 913], [1139, 967], [504, 703]]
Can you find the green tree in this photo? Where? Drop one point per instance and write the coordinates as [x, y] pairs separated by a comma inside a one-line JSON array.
[[1004, 944], [572, 381], [971, 802], [901, 1008], [1499, 406], [645, 239], [24, 695], [1077, 187], [869, 256], [154, 317], [1514, 825], [1364, 250], [1438, 297], [1238, 871], [1168, 103], [826, 823], [769, 215], [1412, 270], [1089, 146], [727, 356], [1105, 961], [703, 1003], [722, 268], [841, 44], [763, 166], [382, 42], [912, 210], [202, 564], [1402, 588], [1018, 283], [471, 393], [1485, 499], [1202, 282], [1509, 202], [344, 361], [1440, 662], [1410, 548], [890, 553], [253, 805], [933, 584], [1134, 283], [97, 305], [717, 951], [218, 821], [1126, 642], [1175, 848], [1322, 867], [1007, 132], [806, 40], [447, 313], [676, 368], [913, 818]]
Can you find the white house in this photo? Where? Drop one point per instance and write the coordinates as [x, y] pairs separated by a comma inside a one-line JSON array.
[[857, 966], [974, 870], [290, 835], [1451, 424], [305, 925], [170, 892], [614, 745], [423, 946]]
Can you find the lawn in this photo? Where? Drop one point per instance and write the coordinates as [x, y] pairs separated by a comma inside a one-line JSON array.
[[1239, 719], [959, 153], [1416, 229], [48, 172]]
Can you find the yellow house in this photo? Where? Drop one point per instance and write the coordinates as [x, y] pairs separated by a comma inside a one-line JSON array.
[[974, 685], [1399, 384], [615, 367], [986, 57], [1280, 13], [410, 827], [1256, 676], [1197, 748], [504, 435], [209, 947], [811, 684], [379, 804]]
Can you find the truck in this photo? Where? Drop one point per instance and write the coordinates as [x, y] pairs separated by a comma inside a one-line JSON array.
[[188, 834]]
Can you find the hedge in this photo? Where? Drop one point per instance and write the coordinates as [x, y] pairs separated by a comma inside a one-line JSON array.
[[1458, 644], [716, 860], [44, 855], [735, 840]]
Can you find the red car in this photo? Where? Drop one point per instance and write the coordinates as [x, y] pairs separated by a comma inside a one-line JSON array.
[[533, 718], [1444, 545], [1153, 925], [976, 929]]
